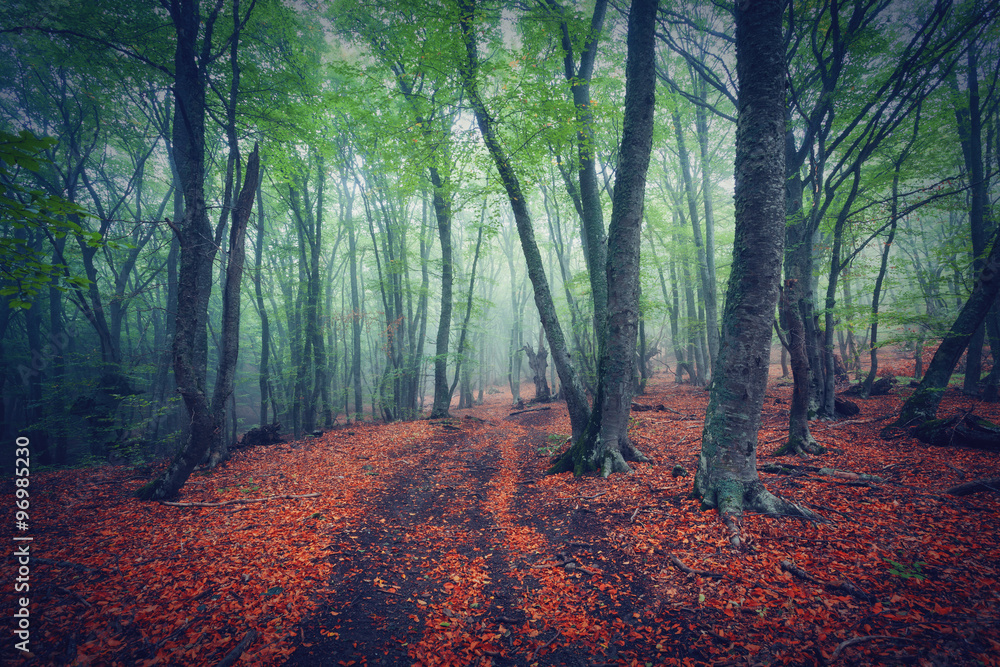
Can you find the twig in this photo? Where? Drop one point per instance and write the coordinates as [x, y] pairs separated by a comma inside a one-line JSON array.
[[545, 645], [592, 497], [382, 590], [687, 570], [238, 650], [241, 501], [632, 518], [518, 412]]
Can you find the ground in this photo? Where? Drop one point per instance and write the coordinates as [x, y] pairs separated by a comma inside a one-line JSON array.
[[441, 542]]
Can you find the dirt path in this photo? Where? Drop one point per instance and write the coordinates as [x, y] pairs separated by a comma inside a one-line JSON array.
[[445, 564]]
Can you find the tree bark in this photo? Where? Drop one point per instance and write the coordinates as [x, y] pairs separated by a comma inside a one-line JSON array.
[[194, 280], [538, 363], [606, 446], [576, 401], [229, 348], [727, 476]]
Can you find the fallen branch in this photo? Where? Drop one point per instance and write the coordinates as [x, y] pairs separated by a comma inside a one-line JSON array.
[[238, 650], [857, 640], [518, 412], [545, 645], [687, 570], [844, 586], [791, 568], [74, 594], [975, 486], [241, 501], [388, 592], [861, 421]]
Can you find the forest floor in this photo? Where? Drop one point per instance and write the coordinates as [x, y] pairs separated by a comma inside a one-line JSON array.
[[442, 542]]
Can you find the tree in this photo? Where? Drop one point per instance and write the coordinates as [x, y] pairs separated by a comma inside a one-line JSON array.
[[194, 53], [576, 401], [606, 446], [727, 476], [922, 404]]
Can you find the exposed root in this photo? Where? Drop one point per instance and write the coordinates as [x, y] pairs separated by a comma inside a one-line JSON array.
[[800, 445], [598, 456], [733, 497]]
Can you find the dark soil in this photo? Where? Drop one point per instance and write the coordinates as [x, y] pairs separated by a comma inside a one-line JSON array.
[[435, 498]]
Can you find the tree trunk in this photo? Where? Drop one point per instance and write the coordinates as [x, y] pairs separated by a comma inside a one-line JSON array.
[[727, 476], [194, 280], [800, 440], [970, 126], [263, 375], [229, 349], [575, 399], [538, 363], [442, 209], [705, 281], [591, 215], [606, 447], [922, 405], [463, 347]]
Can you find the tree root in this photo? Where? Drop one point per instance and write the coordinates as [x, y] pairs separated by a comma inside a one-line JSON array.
[[734, 497], [234, 655], [840, 586], [602, 457], [687, 570], [802, 446]]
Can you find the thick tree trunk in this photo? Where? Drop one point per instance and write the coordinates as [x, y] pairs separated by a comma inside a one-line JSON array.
[[727, 476], [606, 447]]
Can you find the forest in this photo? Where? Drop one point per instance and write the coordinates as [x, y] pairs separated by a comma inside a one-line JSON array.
[[661, 332]]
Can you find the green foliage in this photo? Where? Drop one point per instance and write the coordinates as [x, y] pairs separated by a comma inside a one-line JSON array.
[[554, 443], [914, 570], [25, 213]]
